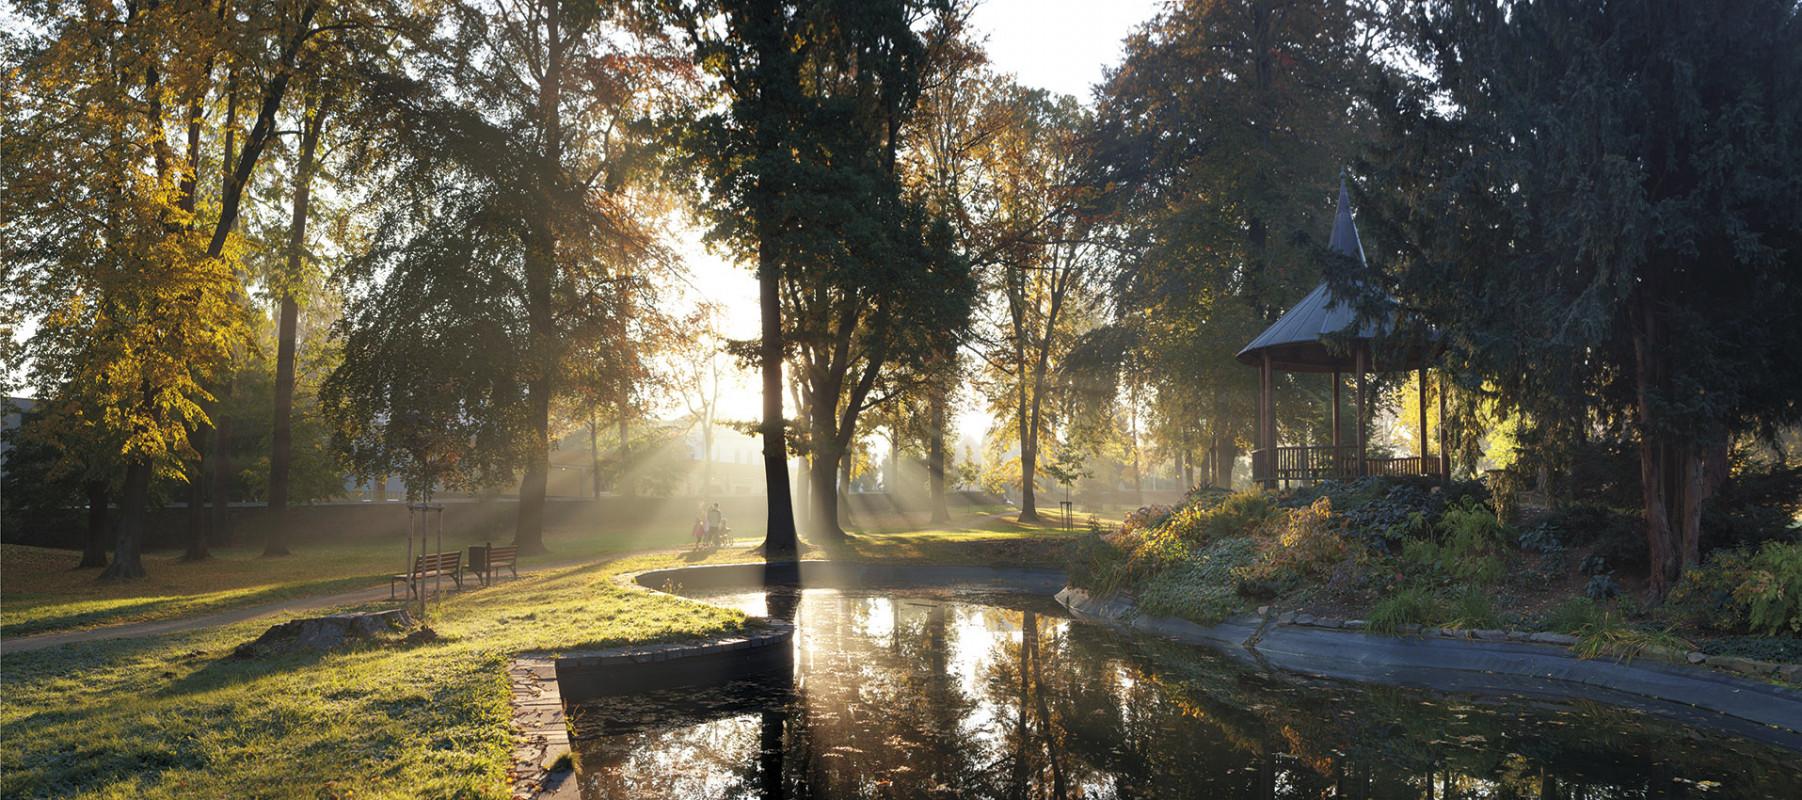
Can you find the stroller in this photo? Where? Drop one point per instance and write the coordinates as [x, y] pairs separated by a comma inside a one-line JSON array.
[[719, 537], [711, 531]]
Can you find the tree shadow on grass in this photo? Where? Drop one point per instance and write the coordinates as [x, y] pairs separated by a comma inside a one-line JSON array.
[[227, 668]]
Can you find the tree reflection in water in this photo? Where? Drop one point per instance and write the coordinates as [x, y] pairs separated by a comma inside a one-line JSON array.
[[916, 696]]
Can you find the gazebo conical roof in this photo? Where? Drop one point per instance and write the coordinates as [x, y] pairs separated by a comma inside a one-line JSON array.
[[1297, 341]]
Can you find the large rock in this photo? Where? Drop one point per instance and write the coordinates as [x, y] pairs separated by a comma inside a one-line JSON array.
[[316, 634]]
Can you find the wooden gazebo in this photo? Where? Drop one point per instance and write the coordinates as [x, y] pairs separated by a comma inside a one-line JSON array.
[[1320, 335]]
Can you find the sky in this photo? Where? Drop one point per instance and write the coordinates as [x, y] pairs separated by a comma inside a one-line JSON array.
[[1065, 47]]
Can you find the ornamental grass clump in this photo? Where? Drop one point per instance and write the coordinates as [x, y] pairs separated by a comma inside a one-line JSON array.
[[1411, 606]]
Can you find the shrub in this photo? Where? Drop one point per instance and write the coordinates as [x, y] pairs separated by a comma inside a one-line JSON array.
[[1297, 545], [1543, 538], [1384, 510], [1207, 496], [1239, 514], [1094, 563], [1144, 518], [1471, 549], [1413, 606], [1153, 552], [1584, 524], [1474, 543], [1761, 502], [1420, 559], [1752, 590], [1601, 586]]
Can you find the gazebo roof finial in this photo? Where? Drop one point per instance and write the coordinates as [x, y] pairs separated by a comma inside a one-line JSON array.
[[1345, 232]]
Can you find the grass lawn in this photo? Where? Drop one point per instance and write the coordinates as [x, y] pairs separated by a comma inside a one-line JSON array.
[[177, 716]]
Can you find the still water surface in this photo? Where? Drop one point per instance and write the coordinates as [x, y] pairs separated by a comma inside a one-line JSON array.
[[922, 696]]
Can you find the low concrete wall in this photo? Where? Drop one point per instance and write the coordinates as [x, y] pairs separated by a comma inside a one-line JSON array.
[[845, 575], [762, 650]]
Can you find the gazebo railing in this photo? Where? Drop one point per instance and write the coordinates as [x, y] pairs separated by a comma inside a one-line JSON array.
[[1326, 462]]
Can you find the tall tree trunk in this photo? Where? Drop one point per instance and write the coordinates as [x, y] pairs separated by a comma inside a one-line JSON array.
[[935, 456], [281, 446], [844, 488], [803, 501], [804, 491], [1225, 457], [1677, 475], [128, 563], [779, 540], [823, 491], [1029, 511], [282, 439], [1132, 430], [1029, 466], [625, 443], [528, 531], [707, 459], [594, 454], [219, 523], [540, 274], [196, 512], [93, 551]]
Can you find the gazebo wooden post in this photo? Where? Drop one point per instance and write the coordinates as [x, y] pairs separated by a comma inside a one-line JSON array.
[[1267, 421], [1445, 453], [1422, 377], [1360, 366], [1337, 462]]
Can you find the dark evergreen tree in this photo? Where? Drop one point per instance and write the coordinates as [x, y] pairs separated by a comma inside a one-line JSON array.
[[1598, 204]]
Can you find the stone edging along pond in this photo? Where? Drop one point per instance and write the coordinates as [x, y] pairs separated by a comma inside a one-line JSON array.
[[1494, 662]]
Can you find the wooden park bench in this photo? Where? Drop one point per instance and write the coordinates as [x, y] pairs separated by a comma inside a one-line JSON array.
[[430, 565], [484, 561]]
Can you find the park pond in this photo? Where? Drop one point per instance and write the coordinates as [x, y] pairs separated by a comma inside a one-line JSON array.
[[917, 694]]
